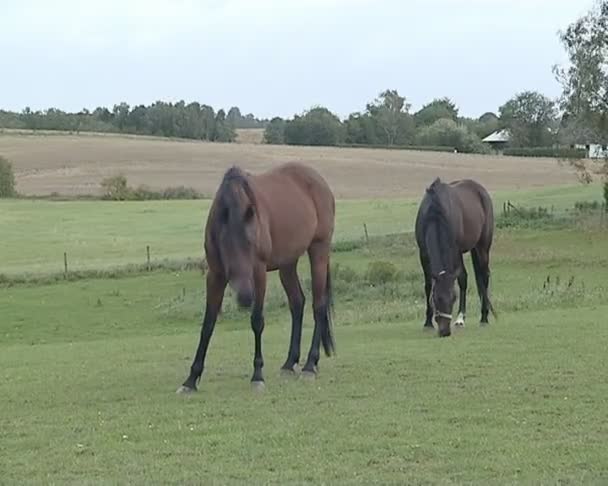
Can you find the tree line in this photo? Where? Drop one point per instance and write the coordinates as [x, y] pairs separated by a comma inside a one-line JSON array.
[[192, 120]]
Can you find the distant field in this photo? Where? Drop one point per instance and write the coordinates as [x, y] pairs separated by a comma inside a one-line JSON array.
[[249, 135], [75, 164]]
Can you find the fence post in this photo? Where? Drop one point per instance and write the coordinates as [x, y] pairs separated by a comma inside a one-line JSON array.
[[65, 264], [148, 257], [366, 233]]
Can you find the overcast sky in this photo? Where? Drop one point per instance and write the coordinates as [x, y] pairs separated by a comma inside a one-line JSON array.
[[278, 57]]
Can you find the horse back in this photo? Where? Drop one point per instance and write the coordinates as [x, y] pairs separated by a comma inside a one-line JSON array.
[[474, 220], [298, 207]]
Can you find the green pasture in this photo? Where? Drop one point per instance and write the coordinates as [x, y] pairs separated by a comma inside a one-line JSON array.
[[35, 234], [88, 368]]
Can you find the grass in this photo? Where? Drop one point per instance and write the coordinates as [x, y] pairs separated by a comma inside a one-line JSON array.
[[89, 369], [103, 235]]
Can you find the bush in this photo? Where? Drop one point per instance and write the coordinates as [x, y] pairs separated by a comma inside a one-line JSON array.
[[7, 179], [381, 272], [587, 206], [525, 218], [344, 273], [116, 188], [424, 148], [554, 152]]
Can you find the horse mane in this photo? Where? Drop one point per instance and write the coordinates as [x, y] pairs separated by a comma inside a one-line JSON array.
[[235, 175], [436, 213]]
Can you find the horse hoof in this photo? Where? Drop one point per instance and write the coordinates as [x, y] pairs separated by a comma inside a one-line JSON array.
[[185, 390], [428, 328], [309, 375], [289, 373], [258, 386], [459, 322]]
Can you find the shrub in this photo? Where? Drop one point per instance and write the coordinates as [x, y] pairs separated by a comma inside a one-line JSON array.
[[587, 206], [525, 218], [116, 188], [555, 152], [181, 192], [344, 273], [381, 272], [7, 179], [425, 148]]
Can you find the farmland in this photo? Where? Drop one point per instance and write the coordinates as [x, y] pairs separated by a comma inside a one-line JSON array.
[[76, 164], [89, 367]]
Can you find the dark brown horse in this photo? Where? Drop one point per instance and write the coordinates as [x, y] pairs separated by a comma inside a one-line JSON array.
[[454, 219], [262, 223]]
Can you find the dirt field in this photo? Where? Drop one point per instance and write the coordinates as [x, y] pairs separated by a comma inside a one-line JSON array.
[[75, 164], [249, 135]]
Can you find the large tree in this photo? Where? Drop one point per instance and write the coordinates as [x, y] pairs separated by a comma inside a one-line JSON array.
[[585, 86], [390, 112], [530, 118], [318, 126], [438, 109]]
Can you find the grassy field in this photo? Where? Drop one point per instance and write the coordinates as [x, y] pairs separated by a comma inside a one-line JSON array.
[[76, 164], [35, 234], [89, 368]]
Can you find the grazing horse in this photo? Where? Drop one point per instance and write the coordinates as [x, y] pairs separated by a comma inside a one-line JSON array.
[[261, 223], [454, 219]]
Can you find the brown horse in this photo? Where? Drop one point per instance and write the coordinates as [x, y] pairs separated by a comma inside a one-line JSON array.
[[454, 219], [262, 223]]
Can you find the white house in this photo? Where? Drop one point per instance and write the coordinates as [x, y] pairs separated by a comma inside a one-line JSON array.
[[498, 139]]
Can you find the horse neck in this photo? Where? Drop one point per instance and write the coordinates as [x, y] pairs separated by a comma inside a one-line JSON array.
[[440, 243]]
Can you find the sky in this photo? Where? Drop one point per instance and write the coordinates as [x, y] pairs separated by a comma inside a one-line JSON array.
[[279, 57]]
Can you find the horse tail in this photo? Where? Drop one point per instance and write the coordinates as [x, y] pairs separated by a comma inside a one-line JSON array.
[[327, 334]]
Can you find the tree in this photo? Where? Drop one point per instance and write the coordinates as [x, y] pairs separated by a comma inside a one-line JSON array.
[[530, 118], [275, 131], [318, 126], [234, 117], [448, 133], [7, 179], [361, 129], [120, 115], [390, 112], [224, 132], [585, 87], [437, 109]]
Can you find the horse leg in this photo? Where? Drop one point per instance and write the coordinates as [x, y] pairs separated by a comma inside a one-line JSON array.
[[257, 324], [319, 267], [216, 285], [462, 285], [428, 322], [295, 296], [482, 277]]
